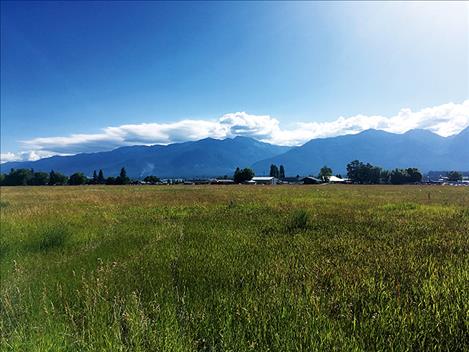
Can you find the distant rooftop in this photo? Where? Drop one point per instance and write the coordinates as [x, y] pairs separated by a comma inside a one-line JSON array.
[[263, 178]]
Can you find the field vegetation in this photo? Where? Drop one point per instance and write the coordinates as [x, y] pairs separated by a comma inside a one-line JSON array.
[[234, 268]]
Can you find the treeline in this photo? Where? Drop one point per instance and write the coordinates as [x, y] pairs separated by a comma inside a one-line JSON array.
[[27, 177], [359, 172]]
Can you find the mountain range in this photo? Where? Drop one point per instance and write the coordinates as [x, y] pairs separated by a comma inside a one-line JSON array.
[[416, 148], [204, 158], [212, 157]]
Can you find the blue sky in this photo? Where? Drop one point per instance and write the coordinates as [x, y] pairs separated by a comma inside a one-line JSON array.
[[85, 76]]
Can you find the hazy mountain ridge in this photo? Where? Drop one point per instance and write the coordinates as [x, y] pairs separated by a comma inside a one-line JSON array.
[[212, 157], [415, 148], [203, 158]]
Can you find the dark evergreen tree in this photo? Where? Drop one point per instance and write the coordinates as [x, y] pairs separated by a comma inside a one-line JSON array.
[[122, 179], [274, 172], [94, 181], [281, 172], [101, 179]]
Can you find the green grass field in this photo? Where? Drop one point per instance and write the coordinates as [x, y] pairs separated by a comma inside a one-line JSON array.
[[234, 268]]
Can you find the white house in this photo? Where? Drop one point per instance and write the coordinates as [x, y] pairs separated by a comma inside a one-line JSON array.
[[264, 180]]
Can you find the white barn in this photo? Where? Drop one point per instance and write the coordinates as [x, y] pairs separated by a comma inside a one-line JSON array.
[[335, 179], [265, 180]]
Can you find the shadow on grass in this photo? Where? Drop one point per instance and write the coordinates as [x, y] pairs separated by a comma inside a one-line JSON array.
[[49, 239], [297, 221]]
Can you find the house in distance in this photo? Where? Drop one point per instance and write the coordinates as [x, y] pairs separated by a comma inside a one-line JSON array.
[[264, 180], [310, 180]]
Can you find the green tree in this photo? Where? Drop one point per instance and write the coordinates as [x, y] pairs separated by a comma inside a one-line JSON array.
[[274, 172], [454, 176], [151, 179], [94, 180], [39, 179], [111, 180], [236, 174], [243, 175], [281, 172], [18, 177], [101, 179], [372, 174], [359, 172], [398, 177], [122, 179], [384, 176], [353, 171], [78, 178], [403, 176], [325, 173], [414, 175], [56, 178]]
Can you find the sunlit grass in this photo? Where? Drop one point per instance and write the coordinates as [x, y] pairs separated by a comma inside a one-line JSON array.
[[234, 268]]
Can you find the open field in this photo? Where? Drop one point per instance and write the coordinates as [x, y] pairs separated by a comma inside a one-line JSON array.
[[234, 268]]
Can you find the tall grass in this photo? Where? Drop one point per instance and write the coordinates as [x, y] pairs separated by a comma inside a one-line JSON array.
[[210, 268]]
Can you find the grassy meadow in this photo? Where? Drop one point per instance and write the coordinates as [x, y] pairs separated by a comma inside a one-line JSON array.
[[234, 268]]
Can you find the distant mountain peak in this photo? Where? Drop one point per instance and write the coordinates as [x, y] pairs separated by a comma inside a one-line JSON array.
[[207, 139], [420, 132], [373, 131], [244, 138]]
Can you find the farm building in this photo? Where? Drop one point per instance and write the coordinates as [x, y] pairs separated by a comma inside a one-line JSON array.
[[292, 180], [335, 179], [265, 180], [311, 180], [199, 181], [221, 181]]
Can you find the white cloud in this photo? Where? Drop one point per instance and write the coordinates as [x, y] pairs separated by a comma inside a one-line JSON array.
[[26, 155], [5, 157], [445, 120], [255, 126]]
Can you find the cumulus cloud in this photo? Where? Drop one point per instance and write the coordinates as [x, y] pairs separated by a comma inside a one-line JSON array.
[[261, 127], [5, 157], [26, 155], [445, 120]]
